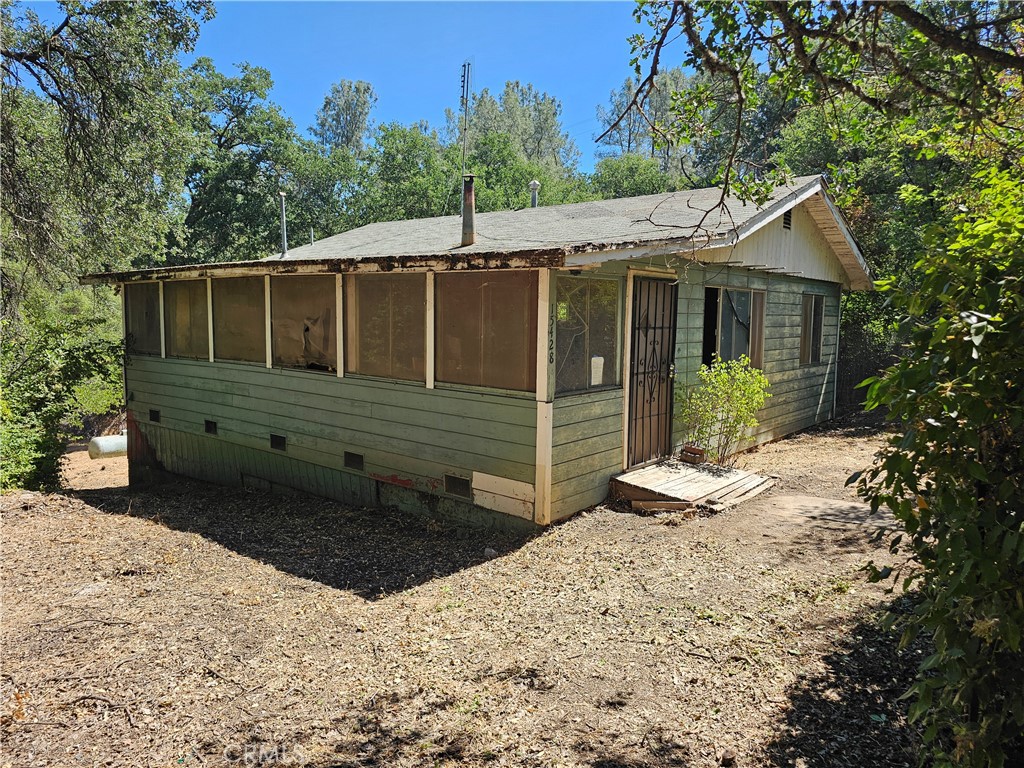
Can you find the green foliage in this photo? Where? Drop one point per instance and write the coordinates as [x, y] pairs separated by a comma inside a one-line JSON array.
[[343, 121], [629, 175], [247, 152], [889, 194], [405, 174], [95, 139], [57, 364], [631, 126], [952, 477], [719, 412], [530, 118]]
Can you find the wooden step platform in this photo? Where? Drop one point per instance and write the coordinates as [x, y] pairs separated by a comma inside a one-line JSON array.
[[697, 484]]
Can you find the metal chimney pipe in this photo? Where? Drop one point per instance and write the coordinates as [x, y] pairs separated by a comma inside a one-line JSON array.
[[468, 210], [534, 186], [284, 228]]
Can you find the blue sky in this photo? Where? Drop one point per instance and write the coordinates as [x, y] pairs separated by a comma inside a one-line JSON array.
[[412, 53]]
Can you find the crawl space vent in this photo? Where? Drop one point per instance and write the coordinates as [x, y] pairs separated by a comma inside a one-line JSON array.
[[458, 486], [354, 461]]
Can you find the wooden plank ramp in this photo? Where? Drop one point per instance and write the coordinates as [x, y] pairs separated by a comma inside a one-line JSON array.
[[678, 483]]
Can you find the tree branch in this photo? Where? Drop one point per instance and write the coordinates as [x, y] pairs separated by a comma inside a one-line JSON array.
[[951, 40], [641, 91]]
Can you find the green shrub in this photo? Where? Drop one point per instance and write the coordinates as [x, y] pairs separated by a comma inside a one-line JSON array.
[[952, 477], [46, 366], [719, 412]]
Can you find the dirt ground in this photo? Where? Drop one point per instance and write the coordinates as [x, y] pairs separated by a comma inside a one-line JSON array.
[[194, 625]]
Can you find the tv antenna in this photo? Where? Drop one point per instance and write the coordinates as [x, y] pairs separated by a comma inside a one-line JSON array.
[[466, 90]]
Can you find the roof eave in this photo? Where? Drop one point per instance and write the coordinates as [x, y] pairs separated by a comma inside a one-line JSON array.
[[333, 265]]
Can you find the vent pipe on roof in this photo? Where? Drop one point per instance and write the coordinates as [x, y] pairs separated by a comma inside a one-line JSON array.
[[534, 186], [284, 228], [468, 210]]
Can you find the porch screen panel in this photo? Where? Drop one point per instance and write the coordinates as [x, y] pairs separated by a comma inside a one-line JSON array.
[[142, 318], [586, 333], [239, 319], [185, 319], [303, 322], [486, 329], [385, 329]]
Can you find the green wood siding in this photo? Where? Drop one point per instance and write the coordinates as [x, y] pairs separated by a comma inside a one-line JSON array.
[[408, 435], [588, 428], [801, 395], [586, 449]]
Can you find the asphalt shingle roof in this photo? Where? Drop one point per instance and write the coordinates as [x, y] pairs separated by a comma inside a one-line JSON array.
[[577, 226]]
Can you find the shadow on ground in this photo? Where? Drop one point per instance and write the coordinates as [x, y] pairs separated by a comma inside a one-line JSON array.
[[850, 714], [370, 552], [413, 729]]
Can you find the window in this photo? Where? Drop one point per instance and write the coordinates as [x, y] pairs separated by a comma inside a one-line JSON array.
[[303, 321], [734, 325], [386, 325], [586, 333], [185, 319], [487, 329], [239, 319], [811, 325], [142, 318]]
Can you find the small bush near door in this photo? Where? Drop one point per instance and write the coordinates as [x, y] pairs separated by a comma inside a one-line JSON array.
[[716, 414]]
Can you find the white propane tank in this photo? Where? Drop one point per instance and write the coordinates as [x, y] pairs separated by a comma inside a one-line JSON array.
[[108, 446]]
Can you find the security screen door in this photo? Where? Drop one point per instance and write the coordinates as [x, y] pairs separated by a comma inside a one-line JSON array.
[[651, 370]]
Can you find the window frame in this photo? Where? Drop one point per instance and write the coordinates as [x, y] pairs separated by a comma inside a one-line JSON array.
[[812, 328], [756, 360], [618, 326]]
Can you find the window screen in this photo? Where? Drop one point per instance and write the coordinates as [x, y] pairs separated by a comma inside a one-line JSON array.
[[142, 318], [239, 319], [185, 319], [740, 317], [303, 321], [487, 329], [385, 330], [586, 333], [811, 327]]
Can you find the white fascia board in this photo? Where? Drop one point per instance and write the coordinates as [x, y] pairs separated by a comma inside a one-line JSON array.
[[848, 236]]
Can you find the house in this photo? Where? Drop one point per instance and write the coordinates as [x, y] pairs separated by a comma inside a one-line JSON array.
[[507, 362]]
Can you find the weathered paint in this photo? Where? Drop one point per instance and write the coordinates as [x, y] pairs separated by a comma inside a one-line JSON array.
[[409, 436], [587, 450]]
